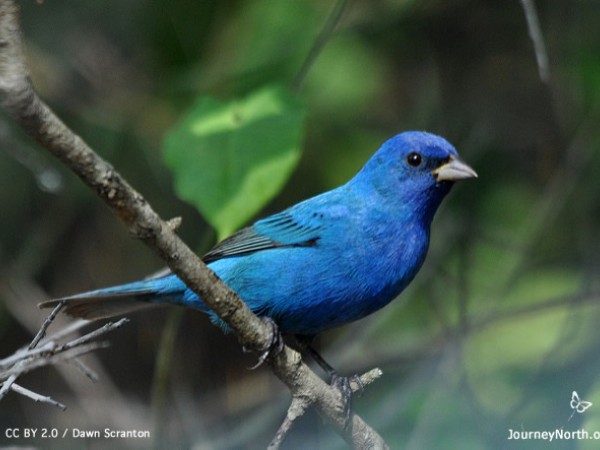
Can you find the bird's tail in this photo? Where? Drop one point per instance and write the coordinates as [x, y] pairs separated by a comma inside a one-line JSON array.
[[122, 299]]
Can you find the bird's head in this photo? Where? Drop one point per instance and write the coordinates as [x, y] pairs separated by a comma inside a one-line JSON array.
[[415, 170]]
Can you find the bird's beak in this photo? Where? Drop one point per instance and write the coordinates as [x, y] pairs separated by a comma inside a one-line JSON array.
[[454, 170]]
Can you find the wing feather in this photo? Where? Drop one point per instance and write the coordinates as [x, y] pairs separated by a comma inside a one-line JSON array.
[[280, 230]]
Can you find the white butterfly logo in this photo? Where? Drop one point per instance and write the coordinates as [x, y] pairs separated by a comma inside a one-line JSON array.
[[578, 405]]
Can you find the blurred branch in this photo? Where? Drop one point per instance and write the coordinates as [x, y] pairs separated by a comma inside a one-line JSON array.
[[163, 364], [320, 41], [555, 196], [47, 177], [162, 371], [539, 45], [50, 353], [33, 115]]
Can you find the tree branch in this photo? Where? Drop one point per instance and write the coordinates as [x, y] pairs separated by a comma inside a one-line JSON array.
[[29, 111]]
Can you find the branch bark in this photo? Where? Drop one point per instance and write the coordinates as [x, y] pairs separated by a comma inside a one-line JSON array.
[[20, 100]]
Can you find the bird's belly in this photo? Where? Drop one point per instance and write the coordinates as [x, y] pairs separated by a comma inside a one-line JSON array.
[[306, 295]]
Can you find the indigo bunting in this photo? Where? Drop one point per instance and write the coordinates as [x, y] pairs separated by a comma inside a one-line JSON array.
[[324, 262]]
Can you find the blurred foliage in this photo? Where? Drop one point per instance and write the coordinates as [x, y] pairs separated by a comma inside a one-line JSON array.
[[229, 159], [498, 328]]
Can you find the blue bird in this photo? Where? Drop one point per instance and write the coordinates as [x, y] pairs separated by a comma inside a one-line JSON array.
[[329, 260]]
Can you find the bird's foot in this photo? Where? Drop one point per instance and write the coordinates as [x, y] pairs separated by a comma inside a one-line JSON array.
[[343, 384], [274, 346]]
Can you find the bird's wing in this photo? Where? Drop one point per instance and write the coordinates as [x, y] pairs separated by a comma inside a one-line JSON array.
[[277, 231]]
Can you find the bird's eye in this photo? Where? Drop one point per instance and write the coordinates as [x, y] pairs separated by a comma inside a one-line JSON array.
[[414, 159]]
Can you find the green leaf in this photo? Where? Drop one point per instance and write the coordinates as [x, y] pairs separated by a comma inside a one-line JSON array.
[[229, 159]]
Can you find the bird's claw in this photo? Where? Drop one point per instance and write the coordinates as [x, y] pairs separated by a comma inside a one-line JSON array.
[[274, 346], [342, 384]]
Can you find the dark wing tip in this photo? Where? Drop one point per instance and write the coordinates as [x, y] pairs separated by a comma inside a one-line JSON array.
[[48, 304], [80, 309], [98, 307]]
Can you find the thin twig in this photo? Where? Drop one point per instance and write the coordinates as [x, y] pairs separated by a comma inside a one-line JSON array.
[[37, 397], [65, 331], [22, 354], [296, 409], [40, 334], [104, 401], [50, 357], [33, 357], [7, 385], [50, 353], [93, 335]]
